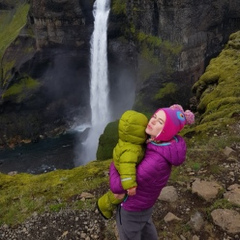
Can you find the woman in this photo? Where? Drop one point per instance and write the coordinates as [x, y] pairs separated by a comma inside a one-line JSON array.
[[164, 149]]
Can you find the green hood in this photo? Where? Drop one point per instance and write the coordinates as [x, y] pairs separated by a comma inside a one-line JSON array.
[[132, 127]]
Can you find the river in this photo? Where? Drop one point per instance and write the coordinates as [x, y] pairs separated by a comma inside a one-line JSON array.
[[44, 156]]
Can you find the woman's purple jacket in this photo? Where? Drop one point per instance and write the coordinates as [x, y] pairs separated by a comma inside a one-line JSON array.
[[152, 173]]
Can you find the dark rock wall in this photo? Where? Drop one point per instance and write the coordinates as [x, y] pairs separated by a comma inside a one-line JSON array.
[[56, 39], [61, 22], [200, 27], [63, 30]]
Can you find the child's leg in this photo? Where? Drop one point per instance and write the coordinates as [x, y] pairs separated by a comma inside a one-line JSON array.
[[107, 203]]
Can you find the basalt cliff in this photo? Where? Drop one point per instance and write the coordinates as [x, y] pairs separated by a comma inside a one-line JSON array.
[[157, 50]]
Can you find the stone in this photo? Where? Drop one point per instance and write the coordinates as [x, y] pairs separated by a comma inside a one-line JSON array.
[[233, 194], [228, 220], [196, 221], [12, 173], [206, 190], [168, 194], [86, 195], [195, 237], [171, 217], [229, 152]]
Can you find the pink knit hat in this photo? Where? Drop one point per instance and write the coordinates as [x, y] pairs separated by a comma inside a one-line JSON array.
[[176, 119]]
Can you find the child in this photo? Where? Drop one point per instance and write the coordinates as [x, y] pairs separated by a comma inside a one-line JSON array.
[[128, 152], [164, 149]]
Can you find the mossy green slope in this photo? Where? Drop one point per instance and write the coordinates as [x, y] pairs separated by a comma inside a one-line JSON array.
[[11, 25], [107, 141], [218, 89], [23, 194]]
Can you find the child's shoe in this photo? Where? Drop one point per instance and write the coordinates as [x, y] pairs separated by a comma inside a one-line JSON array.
[[104, 211]]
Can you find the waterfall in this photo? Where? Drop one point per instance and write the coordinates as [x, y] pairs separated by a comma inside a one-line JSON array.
[[99, 66], [99, 90]]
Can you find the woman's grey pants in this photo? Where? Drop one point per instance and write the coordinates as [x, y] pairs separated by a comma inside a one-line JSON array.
[[135, 225]]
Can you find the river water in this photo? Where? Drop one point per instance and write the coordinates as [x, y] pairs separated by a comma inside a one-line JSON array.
[[43, 156]]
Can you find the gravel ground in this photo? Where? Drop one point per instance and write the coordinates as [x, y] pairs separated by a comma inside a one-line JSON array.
[[67, 224]]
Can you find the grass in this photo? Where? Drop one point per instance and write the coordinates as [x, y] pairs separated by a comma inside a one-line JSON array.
[[23, 194], [14, 22], [219, 204], [21, 89]]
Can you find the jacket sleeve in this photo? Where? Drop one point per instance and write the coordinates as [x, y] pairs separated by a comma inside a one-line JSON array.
[[127, 169], [115, 181]]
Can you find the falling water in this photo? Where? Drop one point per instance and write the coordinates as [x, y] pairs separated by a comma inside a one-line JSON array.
[[100, 114], [99, 65]]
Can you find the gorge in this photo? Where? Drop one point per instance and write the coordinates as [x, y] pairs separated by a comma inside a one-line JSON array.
[[156, 50]]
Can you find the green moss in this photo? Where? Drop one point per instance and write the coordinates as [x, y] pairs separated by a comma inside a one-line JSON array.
[[161, 54], [218, 90], [223, 113], [23, 194], [176, 175], [148, 54], [234, 41], [10, 30], [215, 168], [21, 89], [196, 166], [6, 71], [172, 47], [13, 22], [222, 71], [223, 103], [220, 204], [57, 207], [154, 41], [118, 7], [168, 89], [131, 29], [108, 141], [141, 36], [152, 46], [150, 40]]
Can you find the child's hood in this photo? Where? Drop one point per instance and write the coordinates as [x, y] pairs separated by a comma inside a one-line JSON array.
[[132, 127]]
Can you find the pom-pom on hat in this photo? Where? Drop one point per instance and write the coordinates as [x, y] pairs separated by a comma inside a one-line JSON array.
[[176, 119]]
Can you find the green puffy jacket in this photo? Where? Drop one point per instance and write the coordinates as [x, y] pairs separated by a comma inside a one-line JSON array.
[[129, 150]]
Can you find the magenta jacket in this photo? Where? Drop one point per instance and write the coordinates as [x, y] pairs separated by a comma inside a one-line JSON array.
[[152, 173]]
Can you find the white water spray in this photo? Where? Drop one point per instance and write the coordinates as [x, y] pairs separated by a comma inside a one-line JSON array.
[[99, 65], [99, 90]]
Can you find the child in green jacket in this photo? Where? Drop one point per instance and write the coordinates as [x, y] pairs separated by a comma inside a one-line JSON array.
[[128, 152]]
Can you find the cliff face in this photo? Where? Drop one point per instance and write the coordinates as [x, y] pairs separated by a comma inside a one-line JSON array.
[[61, 22], [52, 49], [157, 49], [201, 28]]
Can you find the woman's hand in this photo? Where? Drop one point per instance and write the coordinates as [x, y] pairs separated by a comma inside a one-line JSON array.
[[119, 196], [132, 191]]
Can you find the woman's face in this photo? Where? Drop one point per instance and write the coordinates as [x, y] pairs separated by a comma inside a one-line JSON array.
[[156, 123]]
